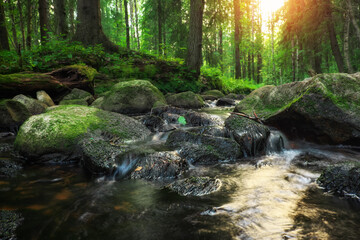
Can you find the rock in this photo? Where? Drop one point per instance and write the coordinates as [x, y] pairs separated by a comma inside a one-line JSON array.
[[9, 168], [34, 106], [250, 135], [314, 161], [60, 129], [43, 97], [235, 96], [186, 100], [156, 124], [342, 180], [216, 94], [77, 97], [203, 149], [209, 98], [159, 166], [133, 97], [98, 102], [216, 131], [195, 186], [9, 222], [323, 109], [12, 115], [225, 102]]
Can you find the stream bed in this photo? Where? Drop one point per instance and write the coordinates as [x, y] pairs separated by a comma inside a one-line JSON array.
[[267, 197]]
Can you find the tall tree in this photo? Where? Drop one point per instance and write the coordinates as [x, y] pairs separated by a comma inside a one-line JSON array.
[[21, 19], [137, 25], [160, 21], [346, 42], [127, 24], [237, 38], [44, 20], [4, 41], [60, 18], [194, 56], [89, 29], [29, 8], [13, 25]]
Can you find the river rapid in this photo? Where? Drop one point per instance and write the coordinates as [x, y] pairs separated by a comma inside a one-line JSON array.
[[268, 197]]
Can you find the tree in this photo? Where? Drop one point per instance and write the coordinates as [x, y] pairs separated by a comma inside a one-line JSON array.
[[28, 23], [44, 20], [237, 38], [127, 24], [194, 55], [89, 29], [4, 41], [60, 18]]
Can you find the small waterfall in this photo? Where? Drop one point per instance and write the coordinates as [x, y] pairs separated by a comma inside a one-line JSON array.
[[276, 142], [210, 104], [128, 161]]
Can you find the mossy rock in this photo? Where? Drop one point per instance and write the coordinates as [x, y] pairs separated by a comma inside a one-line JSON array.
[[195, 186], [323, 109], [214, 93], [82, 102], [43, 97], [133, 97], [78, 95], [34, 106], [12, 114], [60, 129], [186, 100], [9, 222]]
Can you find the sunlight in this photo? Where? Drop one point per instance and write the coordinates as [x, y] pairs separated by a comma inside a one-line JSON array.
[[269, 6]]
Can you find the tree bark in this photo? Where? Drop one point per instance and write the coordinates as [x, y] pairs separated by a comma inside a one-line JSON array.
[[332, 35], [353, 19], [21, 19], [72, 5], [346, 43], [29, 7], [13, 25], [132, 29], [137, 25], [221, 48], [89, 29], [194, 51], [44, 20], [159, 18], [4, 41], [60, 18], [237, 38], [127, 24]]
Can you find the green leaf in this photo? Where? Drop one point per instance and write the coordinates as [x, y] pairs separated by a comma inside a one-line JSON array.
[[182, 120], [69, 55]]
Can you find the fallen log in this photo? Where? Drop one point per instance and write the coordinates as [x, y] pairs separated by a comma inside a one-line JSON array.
[[56, 83]]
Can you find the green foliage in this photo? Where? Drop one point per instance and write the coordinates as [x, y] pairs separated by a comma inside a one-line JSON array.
[[182, 120]]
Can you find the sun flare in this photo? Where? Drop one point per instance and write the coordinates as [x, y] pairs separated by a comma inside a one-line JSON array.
[[269, 6]]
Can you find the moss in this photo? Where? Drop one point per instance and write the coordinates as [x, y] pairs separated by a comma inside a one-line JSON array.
[[59, 128], [215, 93], [82, 102], [20, 77], [87, 71], [186, 100]]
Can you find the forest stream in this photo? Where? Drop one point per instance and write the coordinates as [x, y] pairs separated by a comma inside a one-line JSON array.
[[268, 197]]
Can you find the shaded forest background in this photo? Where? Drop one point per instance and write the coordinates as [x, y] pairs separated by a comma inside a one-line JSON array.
[[239, 47]]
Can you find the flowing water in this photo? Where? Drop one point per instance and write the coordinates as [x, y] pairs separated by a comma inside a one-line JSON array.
[[261, 198]]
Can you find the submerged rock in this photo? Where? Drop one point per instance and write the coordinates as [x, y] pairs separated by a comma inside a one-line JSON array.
[[159, 166], [59, 130], [204, 149], [12, 115], [323, 109], [225, 102], [250, 135], [186, 100], [195, 186], [133, 97], [34, 106], [342, 180], [9, 222], [78, 97], [43, 97]]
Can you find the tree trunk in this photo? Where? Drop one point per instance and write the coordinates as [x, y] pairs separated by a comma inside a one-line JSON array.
[[13, 26], [221, 49], [72, 5], [132, 29], [237, 38], [29, 7], [60, 18], [127, 24], [21, 19], [259, 67], [346, 43], [159, 18], [332, 35], [353, 19], [4, 41], [293, 59], [44, 20], [137, 25], [89, 30], [194, 51]]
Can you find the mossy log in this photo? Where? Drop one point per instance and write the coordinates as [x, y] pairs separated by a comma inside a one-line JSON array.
[[56, 83]]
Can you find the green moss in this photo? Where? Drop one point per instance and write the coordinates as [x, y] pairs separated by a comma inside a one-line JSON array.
[[215, 93], [87, 71]]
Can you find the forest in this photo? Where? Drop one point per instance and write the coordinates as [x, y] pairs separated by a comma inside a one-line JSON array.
[[179, 119]]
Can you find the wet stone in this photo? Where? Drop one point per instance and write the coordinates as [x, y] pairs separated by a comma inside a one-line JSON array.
[[9, 222], [195, 186]]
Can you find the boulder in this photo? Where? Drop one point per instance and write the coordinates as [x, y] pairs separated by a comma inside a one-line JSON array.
[[322, 109], [34, 106], [342, 180], [156, 124], [159, 166], [225, 102], [9, 222], [203, 149], [250, 135], [186, 100], [98, 102], [235, 96], [195, 186], [60, 129], [43, 97], [133, 97], [77, 97], [12, 115], [215, 94]]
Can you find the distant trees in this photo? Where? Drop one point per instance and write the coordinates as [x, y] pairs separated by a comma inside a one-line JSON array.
[[4, 42]]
